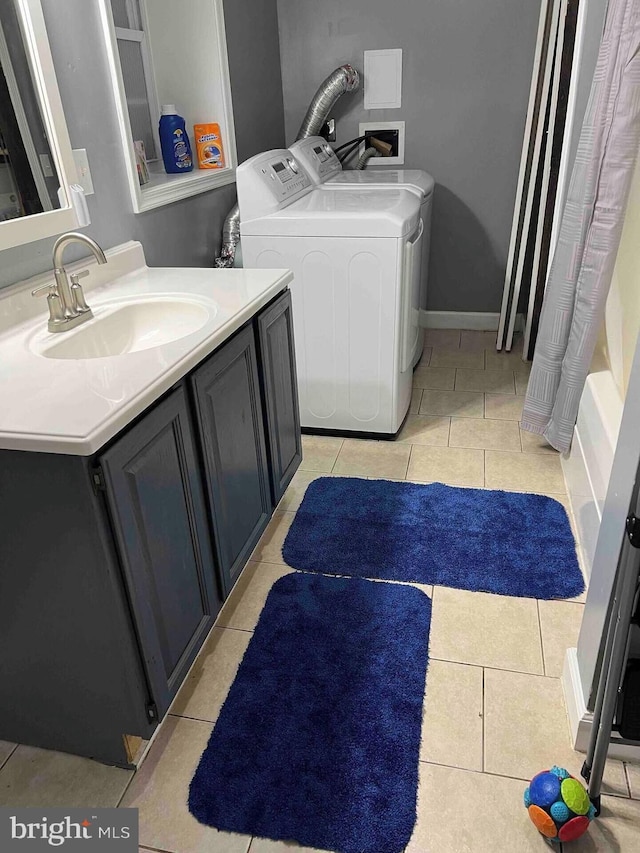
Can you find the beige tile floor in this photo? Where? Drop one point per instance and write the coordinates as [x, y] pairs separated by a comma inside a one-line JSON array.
[[493, 713]]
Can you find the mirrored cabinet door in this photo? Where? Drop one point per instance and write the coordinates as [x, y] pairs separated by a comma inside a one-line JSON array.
[[36, 162]]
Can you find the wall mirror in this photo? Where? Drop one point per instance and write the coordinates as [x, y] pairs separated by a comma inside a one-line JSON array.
[[36, 161]]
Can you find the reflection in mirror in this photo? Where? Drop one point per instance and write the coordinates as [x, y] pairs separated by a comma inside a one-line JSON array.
[[28, 178]]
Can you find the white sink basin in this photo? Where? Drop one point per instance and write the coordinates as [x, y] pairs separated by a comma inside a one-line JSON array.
[[128, 328]]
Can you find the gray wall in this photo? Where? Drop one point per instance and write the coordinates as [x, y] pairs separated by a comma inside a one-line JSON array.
[[466, 77], [185, 233]]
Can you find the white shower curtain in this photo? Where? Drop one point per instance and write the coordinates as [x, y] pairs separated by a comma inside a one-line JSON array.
[[585, 255]]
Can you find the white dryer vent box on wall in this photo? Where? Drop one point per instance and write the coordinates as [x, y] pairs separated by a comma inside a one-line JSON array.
[[382, 79], [378, 161]]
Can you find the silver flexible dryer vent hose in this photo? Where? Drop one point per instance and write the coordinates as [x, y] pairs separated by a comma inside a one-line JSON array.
[[366, 155], [230, 238], [343, 79]]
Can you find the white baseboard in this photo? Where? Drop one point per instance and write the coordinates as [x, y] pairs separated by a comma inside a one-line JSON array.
[[580, 719], [578, 716], [485, 321]]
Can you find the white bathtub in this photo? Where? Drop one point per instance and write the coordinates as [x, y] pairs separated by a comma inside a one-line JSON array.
[[587, 468]]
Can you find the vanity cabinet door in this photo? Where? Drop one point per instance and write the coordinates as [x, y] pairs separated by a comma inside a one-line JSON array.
[[229, 410], [280, 384], [158, 514]]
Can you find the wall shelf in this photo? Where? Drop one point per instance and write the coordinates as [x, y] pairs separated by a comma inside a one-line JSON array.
[[163, 189]]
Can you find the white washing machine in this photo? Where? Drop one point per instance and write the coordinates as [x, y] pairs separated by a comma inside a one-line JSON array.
[[325, 170], [356, 261]]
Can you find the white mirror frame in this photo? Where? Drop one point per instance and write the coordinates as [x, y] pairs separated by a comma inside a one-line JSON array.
[[38, 226]]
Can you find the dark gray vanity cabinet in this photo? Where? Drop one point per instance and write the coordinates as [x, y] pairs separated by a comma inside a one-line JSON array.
[[114, 566], [229, 410], [154, 495], [280, 388]]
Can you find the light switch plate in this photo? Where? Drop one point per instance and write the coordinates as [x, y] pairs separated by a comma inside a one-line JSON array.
[[83, 170], [45, 165], [382, 79]]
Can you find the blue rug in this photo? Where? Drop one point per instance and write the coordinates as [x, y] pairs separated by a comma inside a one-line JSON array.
[[318, 740], [489, 541]]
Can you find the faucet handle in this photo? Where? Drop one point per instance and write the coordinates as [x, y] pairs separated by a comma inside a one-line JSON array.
[[49, 289], [77, 295], [76, 276], [56, 312]]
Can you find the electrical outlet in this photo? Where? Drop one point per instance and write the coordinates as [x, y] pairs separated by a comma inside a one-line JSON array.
[[387, 131], [329, 130]]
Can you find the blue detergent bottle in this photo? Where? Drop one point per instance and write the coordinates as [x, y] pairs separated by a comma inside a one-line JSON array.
[[174, 141]]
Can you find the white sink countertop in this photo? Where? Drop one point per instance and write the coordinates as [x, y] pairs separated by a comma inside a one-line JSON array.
[[59, 403]]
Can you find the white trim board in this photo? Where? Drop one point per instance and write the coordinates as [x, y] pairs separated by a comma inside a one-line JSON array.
[[486, 321], [580, 719]]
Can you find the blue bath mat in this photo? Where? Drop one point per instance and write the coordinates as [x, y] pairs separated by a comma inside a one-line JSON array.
[[318, 740], [489, 541]]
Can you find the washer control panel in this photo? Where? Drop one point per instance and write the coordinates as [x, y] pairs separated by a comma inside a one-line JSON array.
[[317, 157], [283, 176], [270, 181]]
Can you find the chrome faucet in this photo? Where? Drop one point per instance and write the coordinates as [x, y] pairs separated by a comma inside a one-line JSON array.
[[67, 305]]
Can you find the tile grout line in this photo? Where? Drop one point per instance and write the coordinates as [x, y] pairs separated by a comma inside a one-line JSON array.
[[520, 437], [5, 762], [626, 776], [626, 779], [128, 785], [406, 472], [494, 774], [495, 668], [484, 772], [270, 562], [335, 461], [193, 719], [233, 628], [544, 666], [483, 717]]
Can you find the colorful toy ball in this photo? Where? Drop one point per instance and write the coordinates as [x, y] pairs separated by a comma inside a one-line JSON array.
[[558, 805]]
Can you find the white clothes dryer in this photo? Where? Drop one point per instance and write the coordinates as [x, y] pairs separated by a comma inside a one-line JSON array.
[[325, 170], [356, 261]]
